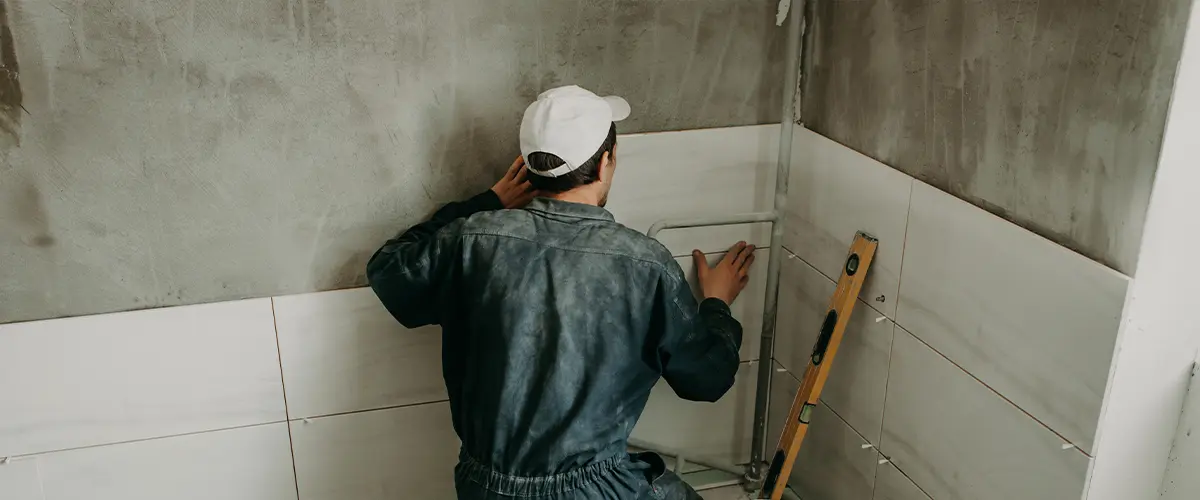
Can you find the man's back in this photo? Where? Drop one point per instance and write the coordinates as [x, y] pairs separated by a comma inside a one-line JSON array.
[[557, 322], [553, 354]]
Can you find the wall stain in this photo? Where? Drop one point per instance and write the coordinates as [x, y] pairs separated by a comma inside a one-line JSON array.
[[11, 105], [437, 93], [30, 211]]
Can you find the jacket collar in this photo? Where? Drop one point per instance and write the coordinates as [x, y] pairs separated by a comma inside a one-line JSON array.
[[558, 207]]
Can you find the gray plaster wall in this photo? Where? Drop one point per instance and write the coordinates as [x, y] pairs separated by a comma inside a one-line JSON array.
[[1049, 113], [163, 152]]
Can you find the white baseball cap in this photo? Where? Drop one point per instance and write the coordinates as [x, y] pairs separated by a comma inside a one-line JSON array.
[[570, 123]]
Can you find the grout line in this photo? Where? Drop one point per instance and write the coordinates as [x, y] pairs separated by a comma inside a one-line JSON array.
[[895, 324], [886, 385], [221, 429], [286, 410], [904, 248], [847, 424], [826, 405], [37, 470], [831, 280], [145, 439], [887, 381], [382, 408], [997, 393], [906, 476]]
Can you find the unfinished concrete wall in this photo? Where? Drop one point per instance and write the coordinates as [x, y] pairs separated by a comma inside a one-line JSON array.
[[1046, 112], [162, 152]]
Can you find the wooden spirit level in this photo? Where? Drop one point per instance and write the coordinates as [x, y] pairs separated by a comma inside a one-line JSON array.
[[854, 273]]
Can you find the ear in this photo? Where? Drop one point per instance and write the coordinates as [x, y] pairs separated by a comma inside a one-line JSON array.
[[607, 165]]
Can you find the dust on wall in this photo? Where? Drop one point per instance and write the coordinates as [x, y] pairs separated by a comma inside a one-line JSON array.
[[1049, 113], [190, 151]]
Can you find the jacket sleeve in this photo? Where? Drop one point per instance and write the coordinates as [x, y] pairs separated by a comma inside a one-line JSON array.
[[412, 270], [700, 343]]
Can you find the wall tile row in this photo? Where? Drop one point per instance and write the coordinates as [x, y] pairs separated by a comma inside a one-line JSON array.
[[855, 388], [832, 463], [1030, 320], [189, 402], [999, 318], [1033, 320], [85, 381]]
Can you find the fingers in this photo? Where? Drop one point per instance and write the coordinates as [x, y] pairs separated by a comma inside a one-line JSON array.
[[701, 264], [740, 259], [515, 168], [733, 253], [744, 271]]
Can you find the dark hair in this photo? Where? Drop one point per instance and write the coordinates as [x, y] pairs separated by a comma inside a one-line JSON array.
[[586, 174]]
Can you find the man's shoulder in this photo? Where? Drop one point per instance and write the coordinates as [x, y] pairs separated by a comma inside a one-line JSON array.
[[608, 237], [635, 243]]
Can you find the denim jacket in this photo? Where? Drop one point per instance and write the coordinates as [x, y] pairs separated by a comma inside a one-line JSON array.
[[556, 323]]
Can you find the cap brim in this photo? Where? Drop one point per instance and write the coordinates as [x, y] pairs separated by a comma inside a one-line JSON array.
[[620, 107]]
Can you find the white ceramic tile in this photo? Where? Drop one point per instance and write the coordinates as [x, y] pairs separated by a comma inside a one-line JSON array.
[[784, 385], [890, 484], [718, 430], [342, 351], [1180, 481], [19, 480], [831, 464], [833, 193], [748, 307], [75, 382], [407, 452], [696, 173], [857, 382], [250, 463], [958, 439], [1033, 320]]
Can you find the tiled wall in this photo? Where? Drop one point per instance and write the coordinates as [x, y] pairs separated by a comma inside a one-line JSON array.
[[976, 360], [1180, 481], [324, 396]]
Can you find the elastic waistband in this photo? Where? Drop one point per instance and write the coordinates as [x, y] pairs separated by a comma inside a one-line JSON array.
[[518, 486]]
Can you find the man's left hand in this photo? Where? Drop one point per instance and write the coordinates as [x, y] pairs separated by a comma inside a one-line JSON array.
[[514, 189]]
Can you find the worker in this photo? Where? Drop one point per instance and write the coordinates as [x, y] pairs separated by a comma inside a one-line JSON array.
[[556, 320]]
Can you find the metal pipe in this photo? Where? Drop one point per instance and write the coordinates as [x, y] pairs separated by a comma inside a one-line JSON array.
[[787, 125], [711, 463], [719, 220], [718, 484]]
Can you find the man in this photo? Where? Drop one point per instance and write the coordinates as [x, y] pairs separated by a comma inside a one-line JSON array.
[[556, 320]]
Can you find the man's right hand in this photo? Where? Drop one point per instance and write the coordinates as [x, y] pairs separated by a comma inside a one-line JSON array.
[[514, 189], [727, 279]]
